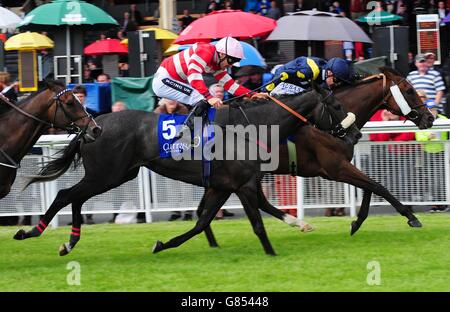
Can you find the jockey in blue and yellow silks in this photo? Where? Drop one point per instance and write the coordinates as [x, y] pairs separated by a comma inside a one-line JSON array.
[[296, 75]]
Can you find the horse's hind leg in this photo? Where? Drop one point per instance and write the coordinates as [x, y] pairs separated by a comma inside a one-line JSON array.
[[208, 231], [249, 198], [214, 200], [267, 207], [75, 235], [363, 212], [61, 200]]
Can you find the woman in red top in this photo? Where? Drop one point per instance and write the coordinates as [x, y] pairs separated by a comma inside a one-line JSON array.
[[394, 164]]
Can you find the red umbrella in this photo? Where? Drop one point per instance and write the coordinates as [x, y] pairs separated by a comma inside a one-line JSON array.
[[106, 46], [219, 24]]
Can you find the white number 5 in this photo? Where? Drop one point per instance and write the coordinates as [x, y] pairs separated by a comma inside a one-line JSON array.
[[169, 130]]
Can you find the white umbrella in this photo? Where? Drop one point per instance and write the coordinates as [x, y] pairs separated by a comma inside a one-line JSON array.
[[8, 19], [317, 26]]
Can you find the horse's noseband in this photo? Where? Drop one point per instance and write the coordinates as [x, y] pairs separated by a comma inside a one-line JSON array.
[[413, 114]]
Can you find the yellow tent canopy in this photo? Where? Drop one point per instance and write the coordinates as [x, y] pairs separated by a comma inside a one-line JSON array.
[[28, 41], [161, 33]]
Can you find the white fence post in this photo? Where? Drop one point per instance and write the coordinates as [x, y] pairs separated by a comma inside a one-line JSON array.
[[147, 198], [50, 190], [300, 198]]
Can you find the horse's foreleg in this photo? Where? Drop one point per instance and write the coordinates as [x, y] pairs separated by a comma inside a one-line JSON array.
[[352, 175], [214, 200], [363, 212], [249, 198], [267, 207], [60, 202], [208, 231], [75, 235]]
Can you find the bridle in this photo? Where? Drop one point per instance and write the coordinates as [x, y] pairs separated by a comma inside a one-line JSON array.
[[72, 127], [413, 114]]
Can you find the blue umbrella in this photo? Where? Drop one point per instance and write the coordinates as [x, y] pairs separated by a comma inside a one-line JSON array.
[[252, 56]]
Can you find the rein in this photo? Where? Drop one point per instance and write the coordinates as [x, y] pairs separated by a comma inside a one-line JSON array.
[[290, 110], [17, 108]]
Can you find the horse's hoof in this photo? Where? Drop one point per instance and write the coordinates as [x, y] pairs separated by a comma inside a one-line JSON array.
[[64, 250], [158, 247], [305, 227], [20, 235], [414, 223], [354, 228]]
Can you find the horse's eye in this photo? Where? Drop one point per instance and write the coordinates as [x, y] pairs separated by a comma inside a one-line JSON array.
[[410, 91]]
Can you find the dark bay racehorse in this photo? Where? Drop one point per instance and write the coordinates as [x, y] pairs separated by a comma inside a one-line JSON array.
[[22, 125], [129, 140], [319, 154]]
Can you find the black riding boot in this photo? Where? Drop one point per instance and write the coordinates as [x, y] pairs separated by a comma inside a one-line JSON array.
[[200, 109]]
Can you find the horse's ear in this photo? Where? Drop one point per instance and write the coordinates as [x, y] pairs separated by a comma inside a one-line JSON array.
[[54, 85]]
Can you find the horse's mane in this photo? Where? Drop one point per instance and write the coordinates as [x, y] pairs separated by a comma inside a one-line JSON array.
[[33, 95], [345, 87], [368, 79], [390, 70]]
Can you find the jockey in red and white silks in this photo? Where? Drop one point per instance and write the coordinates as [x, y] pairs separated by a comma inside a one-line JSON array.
[[180, 76]]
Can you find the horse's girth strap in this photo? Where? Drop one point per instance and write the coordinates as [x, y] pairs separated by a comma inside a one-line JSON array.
[[292, 157], [290, 110]]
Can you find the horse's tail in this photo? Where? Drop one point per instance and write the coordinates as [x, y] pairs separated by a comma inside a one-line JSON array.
[[59, 166]]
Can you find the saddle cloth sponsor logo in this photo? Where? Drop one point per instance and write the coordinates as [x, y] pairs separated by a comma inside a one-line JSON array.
[[168, 127]]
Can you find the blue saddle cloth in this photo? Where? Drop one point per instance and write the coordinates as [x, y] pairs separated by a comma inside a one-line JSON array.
[[168, 125]]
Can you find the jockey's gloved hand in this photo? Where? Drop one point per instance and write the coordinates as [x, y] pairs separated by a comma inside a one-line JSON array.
[[215, 102], [282, 77], [259, 95], [270, 86]]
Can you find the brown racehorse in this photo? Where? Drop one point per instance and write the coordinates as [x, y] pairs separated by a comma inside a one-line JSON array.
[[320, 154], [21, 126]]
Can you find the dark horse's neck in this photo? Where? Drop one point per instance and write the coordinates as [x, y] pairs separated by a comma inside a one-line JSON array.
[[363, 99], [266, 112], [18, 133]]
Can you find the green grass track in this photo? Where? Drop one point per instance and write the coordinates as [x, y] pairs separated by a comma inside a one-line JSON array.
[[118, 257]]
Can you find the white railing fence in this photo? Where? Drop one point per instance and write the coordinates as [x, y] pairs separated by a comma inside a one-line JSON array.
[[415, 177]]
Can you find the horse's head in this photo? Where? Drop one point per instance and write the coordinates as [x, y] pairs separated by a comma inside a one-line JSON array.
[[67, 112], [329, 115], [402, 99]]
